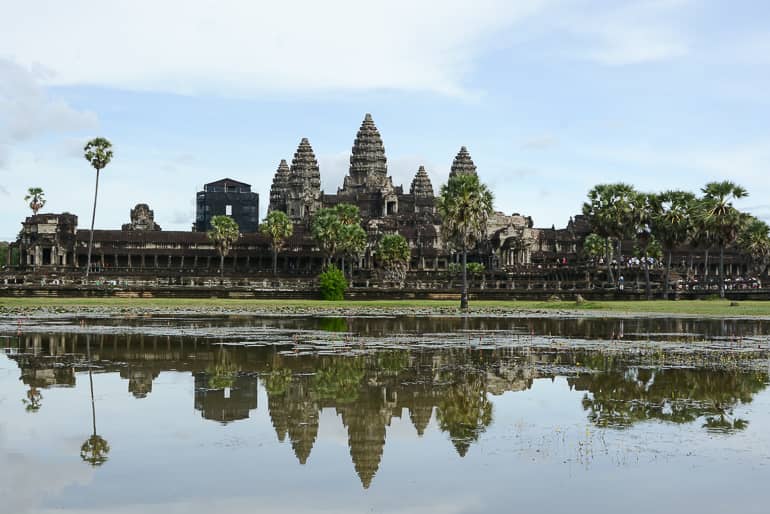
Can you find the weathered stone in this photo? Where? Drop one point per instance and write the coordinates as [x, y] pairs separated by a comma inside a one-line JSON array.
[[463, 164]]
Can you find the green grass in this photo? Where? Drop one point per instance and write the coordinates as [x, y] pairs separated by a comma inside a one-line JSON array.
[[683, 307]]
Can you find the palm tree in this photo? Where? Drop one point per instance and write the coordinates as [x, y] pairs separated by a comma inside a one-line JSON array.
[[754, 240], [325, 229], [95, 449], [722, 218], [610, 211], [277, 227], [98, 152], [36, 198], [393, 253], [672, 224], [224, 233], [644, 210], [352, 244], [594, 246], [465, 205], [333, 228]]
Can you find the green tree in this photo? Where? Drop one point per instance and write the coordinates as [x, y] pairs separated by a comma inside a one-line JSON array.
[[672, 224], [644, 210], [224, 233], [754, 240], [724, 220], [36, 198], [353, 243], [277, 227], [610, 211], [393, 253], [594, 247], [338, 232], [98, 152], [464, 205]]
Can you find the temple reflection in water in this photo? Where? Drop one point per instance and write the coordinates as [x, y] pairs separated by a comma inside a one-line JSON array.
[[368, 389]]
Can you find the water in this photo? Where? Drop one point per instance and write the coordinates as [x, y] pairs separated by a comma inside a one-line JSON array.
[[310, 414]]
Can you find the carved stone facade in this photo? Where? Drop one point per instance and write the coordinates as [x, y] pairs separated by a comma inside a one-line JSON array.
[[48, 240], [142, 219]]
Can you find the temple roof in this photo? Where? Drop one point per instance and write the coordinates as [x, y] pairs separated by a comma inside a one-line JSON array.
[[367, 157], [304, 171], [463, 164], [421, 185]]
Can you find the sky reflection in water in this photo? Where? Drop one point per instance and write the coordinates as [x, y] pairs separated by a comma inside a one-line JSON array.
[[192, 423]]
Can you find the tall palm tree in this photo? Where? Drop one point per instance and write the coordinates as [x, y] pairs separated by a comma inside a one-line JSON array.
[[722, 218], [224, 233], [465, 205], [98, 152], [352, 245], [754, 240], [672, 224], [644, 210], [36, 198], [277, 227], [610, 210]]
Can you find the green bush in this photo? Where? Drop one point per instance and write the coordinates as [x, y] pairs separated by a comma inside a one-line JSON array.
[[333, 284], [475, 267]]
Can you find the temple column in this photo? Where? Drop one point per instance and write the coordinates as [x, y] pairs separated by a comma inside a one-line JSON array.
[[155, 260], [143, 262], [181, 263], [195, 261]]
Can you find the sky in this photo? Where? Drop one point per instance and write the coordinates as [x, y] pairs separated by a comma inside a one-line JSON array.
[[550, 96]]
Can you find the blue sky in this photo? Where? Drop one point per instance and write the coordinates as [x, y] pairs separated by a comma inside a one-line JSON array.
[[550, 97]]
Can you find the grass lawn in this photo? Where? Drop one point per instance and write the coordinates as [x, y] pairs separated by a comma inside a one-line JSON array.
[[682, 307]]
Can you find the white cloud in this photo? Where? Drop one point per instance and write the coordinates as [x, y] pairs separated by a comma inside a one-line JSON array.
[[244, 48], [28, 112]]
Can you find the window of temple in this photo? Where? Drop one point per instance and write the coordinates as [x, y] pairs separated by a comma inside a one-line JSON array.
[[391, 208], [228, 210]]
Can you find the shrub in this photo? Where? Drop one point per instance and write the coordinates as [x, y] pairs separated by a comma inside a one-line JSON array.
[[332, 283], [475, 267]]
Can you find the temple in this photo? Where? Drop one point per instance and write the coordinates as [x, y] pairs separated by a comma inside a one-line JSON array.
[[52, 242]]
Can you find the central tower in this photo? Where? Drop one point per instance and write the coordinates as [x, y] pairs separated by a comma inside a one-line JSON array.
[[368, 164]]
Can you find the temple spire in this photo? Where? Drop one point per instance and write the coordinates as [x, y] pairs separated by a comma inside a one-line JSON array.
[[367, 158], [304, 192], [463, 164], [421, 185], [280, 187]]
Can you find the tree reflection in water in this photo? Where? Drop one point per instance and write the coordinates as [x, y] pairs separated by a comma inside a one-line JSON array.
[[368, 387], [95, 449], [621, 398]]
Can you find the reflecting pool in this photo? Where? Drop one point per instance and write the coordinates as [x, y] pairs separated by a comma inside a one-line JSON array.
[[399, 414]]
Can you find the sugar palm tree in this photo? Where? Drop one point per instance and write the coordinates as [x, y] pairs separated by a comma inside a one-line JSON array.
[[672, 224], [722, 218], [352, 244], [610, 211], [98, 152], [277, 227], [754, 240], [36, 198], [224, 233], [465, 205]]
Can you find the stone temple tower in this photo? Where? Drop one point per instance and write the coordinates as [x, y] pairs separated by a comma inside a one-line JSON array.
[[280, 188], [303, 196], [368, 165], [463, 164]]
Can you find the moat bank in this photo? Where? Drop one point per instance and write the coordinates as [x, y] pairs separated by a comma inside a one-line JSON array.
[[98, 306]]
